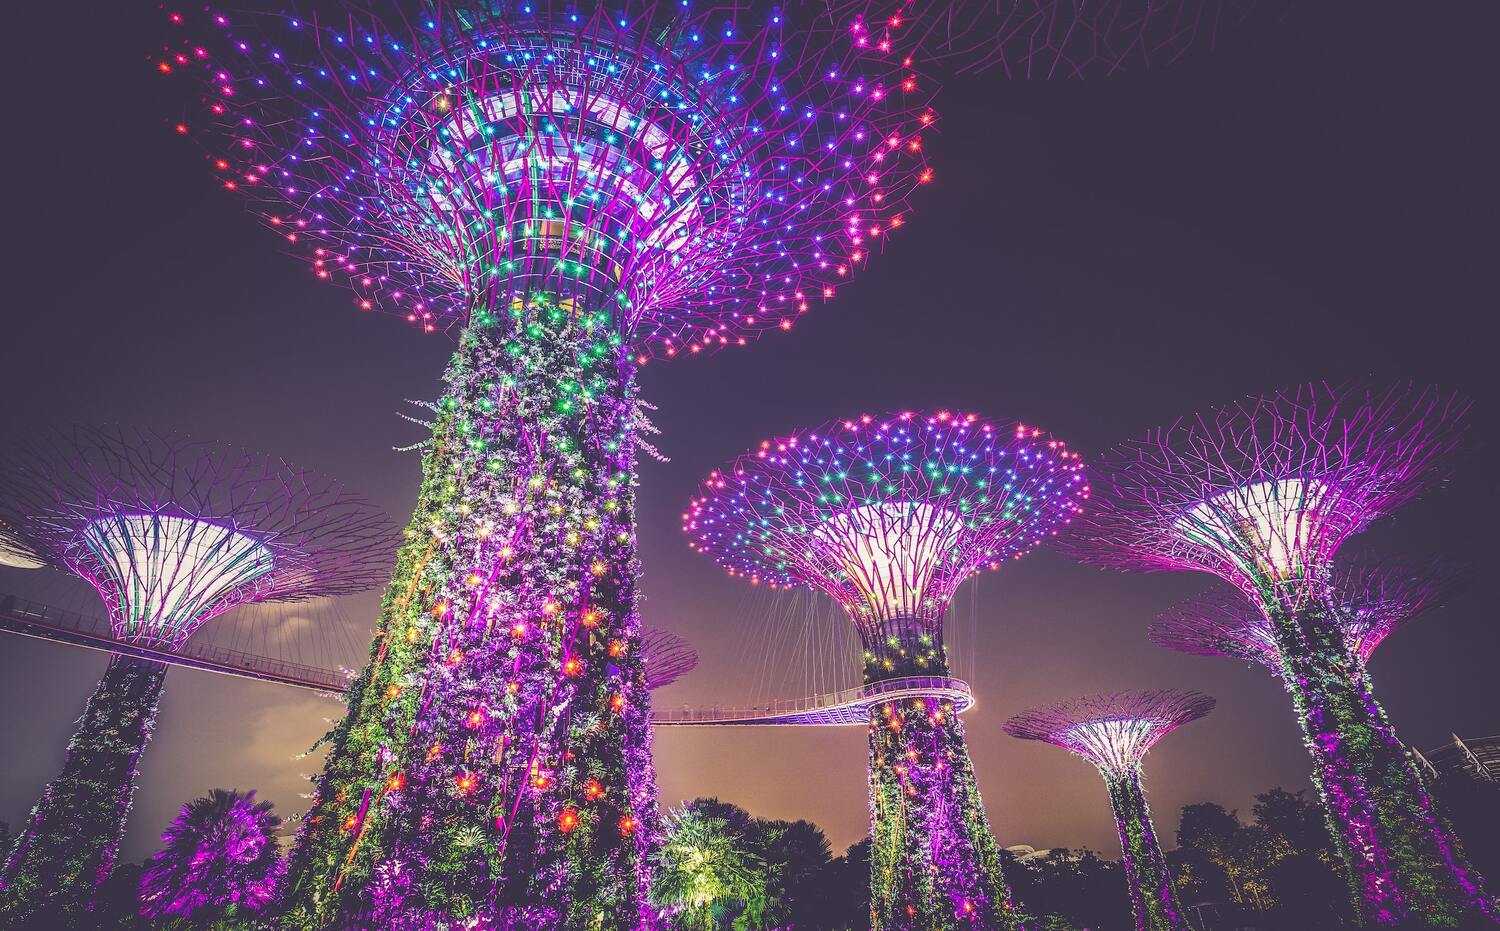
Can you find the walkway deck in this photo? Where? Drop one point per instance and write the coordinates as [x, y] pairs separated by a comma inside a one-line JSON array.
[[849, 707]]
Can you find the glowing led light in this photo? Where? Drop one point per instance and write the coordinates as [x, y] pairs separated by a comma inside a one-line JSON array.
[[1267, 526]]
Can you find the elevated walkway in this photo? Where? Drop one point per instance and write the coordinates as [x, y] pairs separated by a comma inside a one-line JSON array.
[[849, 707]]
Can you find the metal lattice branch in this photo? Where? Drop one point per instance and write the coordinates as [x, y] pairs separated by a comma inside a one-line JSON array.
[[1372, 599], [887, 515], [1112, 731], [173, 531], [1045, 39], [668, 657], [1263, 492], [703, 174]]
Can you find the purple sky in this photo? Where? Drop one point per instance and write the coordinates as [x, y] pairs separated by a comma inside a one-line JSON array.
[[1315, 200]]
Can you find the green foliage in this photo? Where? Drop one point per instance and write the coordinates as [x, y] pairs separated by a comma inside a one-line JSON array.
[[1284, 863], [709, 867], [73, 834]]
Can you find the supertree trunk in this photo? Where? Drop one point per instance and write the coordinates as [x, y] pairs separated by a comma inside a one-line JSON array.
[[496, 754], [934, 862], [73, 835], [1152, 897], [1402, 860]]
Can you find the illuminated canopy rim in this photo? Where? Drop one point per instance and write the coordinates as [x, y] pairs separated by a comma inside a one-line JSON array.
[[1115, 730], [887, 515], [1372, 598], [172, 531], [729, 170], [1264, 491]]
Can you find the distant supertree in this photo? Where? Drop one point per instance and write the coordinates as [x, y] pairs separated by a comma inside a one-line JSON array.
[[1262, 494], [219, 859], [1114, 732], [170, 532], [666, 656], [889, 516], [1372, 598], [578, 189], [1043, 39]]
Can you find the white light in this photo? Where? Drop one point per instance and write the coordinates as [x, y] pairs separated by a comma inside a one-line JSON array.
[[892, 552], [18, 558], [169, 574], [1114, 745], [1266, 527]]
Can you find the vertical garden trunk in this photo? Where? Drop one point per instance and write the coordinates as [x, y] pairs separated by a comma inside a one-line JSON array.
[[1401, 858], [69, 844], [496, 757], [934, 864], [1152, 897]]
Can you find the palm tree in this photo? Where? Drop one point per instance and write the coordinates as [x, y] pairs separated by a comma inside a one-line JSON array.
[[708, 870], [219, 859]]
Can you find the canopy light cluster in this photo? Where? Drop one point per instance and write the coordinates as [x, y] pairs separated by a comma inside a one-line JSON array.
[[1371, 600], [1044, 39], [1263, 492], [667, 657], [701, 174], [172, 531], [887, 515], [1112, 731]]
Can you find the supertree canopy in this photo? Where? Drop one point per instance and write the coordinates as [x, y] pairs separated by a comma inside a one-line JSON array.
[[219, 858], [889, 516], [666, 656], [1114, 732], [1372, 599], [1043, 39], [579, 190], [171, 532], [1262, 494]]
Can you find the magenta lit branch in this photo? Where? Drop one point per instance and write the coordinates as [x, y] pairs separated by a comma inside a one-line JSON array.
[[1372, 598], [1262, 494], [889, 516]]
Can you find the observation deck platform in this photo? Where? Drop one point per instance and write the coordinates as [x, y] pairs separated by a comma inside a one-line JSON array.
[[848, 707]]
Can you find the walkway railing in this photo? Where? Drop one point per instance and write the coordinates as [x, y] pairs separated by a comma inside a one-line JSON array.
[[32, 619], [846, 707]]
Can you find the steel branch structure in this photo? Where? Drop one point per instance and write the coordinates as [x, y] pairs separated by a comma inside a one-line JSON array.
[[1372, 600], [577, 190], [171, 532], [1044, 39], [1114, 732], [666, 656], [1262, 494], [889, 516]]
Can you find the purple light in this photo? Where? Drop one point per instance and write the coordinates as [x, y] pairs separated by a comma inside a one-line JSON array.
[[1114, 732]]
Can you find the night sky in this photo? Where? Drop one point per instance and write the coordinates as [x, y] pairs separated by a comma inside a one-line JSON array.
[[1314, 199]]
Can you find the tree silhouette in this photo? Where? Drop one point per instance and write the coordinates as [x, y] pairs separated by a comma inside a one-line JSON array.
[[219, 859]]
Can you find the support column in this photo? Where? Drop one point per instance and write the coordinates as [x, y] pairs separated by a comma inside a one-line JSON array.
[[1152, 897], [934, 863], [495, 760], [69, 844], [1402, 860]]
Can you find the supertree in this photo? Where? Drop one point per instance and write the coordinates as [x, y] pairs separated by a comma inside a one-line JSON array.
[[666, 656], [1114, 732], [171, 532], [1042, 39], [1371, 598], [219, 858], [1262, 493], [888, 516], [577, 190]]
